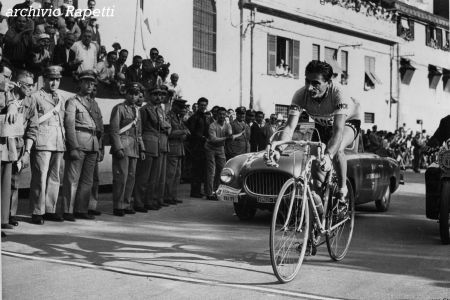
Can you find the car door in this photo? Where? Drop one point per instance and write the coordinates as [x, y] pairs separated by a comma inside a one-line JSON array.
[[370, 178]]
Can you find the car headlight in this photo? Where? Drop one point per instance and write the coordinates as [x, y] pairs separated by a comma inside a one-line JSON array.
[[226, 175]]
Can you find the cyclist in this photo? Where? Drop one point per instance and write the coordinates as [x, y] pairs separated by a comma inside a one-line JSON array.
[[337, 118]]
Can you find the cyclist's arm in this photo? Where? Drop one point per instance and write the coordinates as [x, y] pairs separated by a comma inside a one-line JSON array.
[[336, 137], [291, 123]]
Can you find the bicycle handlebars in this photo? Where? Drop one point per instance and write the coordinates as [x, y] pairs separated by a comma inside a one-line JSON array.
[[272, 147]]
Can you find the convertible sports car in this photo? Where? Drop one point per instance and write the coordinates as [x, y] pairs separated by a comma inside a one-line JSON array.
[[250, 184]]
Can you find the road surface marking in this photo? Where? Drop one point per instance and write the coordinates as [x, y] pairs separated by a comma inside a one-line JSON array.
[[169, 277]]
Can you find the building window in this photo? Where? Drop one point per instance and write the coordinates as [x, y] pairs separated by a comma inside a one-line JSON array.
[[434, 38], [370, 77], [446, 43], [344, 65], [331, 59], [369, 117], [281, 109], [205, 25], [405, 28], [316, 52], [283, 56]]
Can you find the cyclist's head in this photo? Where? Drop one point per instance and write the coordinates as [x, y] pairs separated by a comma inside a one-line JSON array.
[[317, 78]]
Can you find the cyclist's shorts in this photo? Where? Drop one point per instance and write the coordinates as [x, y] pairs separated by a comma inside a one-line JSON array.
[[327, 131]]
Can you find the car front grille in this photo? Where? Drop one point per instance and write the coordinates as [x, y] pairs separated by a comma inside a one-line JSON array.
[[265, 183]]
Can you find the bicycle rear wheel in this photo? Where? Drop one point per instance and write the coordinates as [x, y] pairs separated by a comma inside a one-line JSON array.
[[289, 231], [339, 238]]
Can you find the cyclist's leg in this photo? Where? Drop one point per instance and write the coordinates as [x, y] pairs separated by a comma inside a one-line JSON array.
[[340, 161]]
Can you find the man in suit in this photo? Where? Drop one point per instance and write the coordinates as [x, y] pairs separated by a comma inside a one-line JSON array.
[[126, 147], [258, 140], [84, 127], [134, 72], [176, 153], [240, 144], [120, 64], [64, 56], [149, 185]]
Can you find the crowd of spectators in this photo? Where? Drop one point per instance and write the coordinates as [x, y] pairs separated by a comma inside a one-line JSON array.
[[371, 8], [404, 145]]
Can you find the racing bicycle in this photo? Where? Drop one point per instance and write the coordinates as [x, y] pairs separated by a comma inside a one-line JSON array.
[[298, 227]]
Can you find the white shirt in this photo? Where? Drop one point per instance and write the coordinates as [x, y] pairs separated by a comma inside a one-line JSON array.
[[87, 55]]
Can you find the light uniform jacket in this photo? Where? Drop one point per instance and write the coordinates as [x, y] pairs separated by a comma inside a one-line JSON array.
[[155, 130], [129, 141], [241, 144], [51, 133], [30, 122], [83, 123], [177, 135]]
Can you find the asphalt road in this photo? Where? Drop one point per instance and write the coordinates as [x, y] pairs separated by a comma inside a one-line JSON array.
[[200, 250]]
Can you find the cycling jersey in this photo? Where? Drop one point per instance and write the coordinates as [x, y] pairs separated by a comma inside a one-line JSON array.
[[334, 102]]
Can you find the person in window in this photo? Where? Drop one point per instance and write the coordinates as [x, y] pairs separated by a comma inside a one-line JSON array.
[[279, 70]]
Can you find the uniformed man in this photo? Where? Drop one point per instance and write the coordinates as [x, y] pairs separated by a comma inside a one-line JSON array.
[[47, 153], [8, 109], [150, 173], [84, 128], [27, 110], [241, 144], [176, 153], [126, 147]]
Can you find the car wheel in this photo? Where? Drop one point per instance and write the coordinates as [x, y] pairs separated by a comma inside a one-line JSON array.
[[245, 209], [383, 203]]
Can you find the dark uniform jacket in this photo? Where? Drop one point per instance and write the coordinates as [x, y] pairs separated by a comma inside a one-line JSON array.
[[241, 144], [129, 141], [177, 134], [83, 124], [198, 125], [257, 138], [155, 129]]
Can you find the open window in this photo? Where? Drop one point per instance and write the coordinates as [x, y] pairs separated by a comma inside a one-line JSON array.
[[331, 58], [407, 69], [344, 65], [370, 77], [434, 37], [283, 56], [434, 75], [405, 28]]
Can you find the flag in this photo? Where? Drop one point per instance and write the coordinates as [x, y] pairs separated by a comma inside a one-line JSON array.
[[143, 29]]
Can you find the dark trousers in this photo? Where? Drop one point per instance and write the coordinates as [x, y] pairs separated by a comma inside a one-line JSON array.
[[150, 180], [6, 169], [78, 179], [173, 176], [198, 171], [215, 160], [124, 171], [94, 191]]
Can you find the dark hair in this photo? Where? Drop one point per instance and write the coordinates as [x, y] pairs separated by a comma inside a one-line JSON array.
[[259, 113], [154, 49], [202, 99], [320, 67], [123, 50], [137, 57], [219, 109], [110, 53]]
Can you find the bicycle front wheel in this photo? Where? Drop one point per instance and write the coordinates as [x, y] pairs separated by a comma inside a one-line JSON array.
[[340, 226], [289, 231]]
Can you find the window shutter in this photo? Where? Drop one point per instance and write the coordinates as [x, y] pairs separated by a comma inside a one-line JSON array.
[[296, 59], [316, 52], [367, 63], [372, 65], [271, 54], [427, 35], [411, 28], [439, 37]]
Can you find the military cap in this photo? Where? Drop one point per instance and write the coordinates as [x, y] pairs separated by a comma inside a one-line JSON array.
[[53, 72], [133, 86], [179, 102], [241, 110], [88, 74]]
